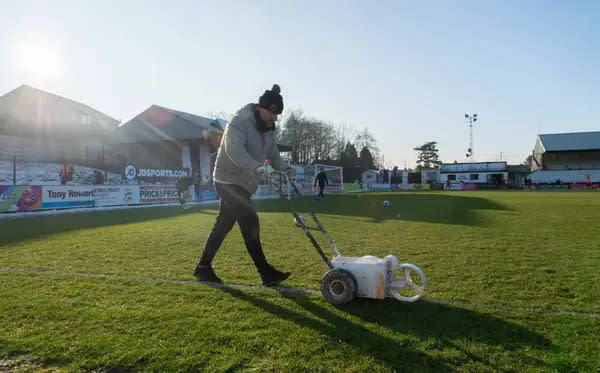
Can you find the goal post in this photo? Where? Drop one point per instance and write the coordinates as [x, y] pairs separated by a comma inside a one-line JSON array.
[[335, 177]]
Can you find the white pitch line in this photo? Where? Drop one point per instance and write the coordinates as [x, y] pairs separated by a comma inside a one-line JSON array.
[[291, 290], [278, 289]]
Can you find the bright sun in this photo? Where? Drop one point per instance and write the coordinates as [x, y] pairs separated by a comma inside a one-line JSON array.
[[39, 59]]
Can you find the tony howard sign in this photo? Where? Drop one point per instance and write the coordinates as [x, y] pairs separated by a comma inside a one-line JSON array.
[[60, 196], [131, 172]]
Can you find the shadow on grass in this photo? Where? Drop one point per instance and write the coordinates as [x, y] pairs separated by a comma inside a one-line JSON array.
[[425, 207], [338, 329], [446, 324], [434, 324], [35, 227]]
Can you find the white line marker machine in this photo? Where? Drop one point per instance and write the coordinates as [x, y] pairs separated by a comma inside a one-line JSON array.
[[367, 276]]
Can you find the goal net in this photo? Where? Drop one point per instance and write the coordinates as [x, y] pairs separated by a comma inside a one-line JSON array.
[[304, 180], [335, 176]]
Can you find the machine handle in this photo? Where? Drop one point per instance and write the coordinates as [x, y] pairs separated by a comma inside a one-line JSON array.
[[289, 180]]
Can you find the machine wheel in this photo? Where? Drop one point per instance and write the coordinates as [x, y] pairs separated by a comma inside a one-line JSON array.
[[338, 287], [403, 287]]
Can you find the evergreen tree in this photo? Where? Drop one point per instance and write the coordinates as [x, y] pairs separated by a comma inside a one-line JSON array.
[[349, 157], [366, 159], [428, 156]]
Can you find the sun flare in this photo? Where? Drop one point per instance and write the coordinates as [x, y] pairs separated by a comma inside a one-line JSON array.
[[39, 59]]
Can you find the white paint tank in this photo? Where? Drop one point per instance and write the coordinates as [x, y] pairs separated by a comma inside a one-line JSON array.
[[369, 272]]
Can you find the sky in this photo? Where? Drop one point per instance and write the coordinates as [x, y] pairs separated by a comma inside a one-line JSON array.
[[406, 70]]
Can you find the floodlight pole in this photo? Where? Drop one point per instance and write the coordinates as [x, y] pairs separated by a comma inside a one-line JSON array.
[[471, 118]]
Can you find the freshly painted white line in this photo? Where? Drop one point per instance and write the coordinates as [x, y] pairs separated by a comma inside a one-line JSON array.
[[291, 290]]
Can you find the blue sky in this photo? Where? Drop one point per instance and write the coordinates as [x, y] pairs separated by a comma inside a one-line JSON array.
[[406, 70]]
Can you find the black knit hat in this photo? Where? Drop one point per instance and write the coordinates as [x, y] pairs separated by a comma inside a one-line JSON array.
[[272, 97]]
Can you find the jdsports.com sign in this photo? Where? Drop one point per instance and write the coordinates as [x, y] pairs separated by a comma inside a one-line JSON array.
[[131, 172]]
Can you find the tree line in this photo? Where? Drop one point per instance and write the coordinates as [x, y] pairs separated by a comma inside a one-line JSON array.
[[316, 141]]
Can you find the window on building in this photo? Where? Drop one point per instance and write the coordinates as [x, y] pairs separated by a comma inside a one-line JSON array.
[[451, 177], [86, 119], [474, 177]]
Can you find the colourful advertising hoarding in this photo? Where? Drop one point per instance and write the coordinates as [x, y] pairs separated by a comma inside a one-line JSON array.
[[584, 186], [15, 198], [334, 188]]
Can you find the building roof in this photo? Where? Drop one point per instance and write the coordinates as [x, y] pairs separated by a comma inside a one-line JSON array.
[[556, 142], [566, 176], [473, 167], [158, 123], [30, 110], [518, 168]]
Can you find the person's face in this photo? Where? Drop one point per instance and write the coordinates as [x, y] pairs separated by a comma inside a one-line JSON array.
[[269, 116]]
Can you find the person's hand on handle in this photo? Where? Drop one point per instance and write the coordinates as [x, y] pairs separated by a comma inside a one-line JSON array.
[[291, 171], [265, 170]]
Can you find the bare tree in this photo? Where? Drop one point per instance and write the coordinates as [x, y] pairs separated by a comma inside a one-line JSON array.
[[313, 139], [528, 161], [365, 139], [344, 133]]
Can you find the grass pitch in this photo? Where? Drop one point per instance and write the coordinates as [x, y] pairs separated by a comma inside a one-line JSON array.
[[512, 285]]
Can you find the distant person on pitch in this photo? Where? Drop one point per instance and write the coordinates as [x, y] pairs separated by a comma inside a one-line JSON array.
[[322, 180], [248, 141]]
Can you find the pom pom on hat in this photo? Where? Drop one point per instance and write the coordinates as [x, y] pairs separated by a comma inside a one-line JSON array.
[[272, 97]]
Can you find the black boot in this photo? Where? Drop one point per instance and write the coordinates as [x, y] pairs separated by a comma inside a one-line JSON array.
[[271, 276], [205, 273]]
